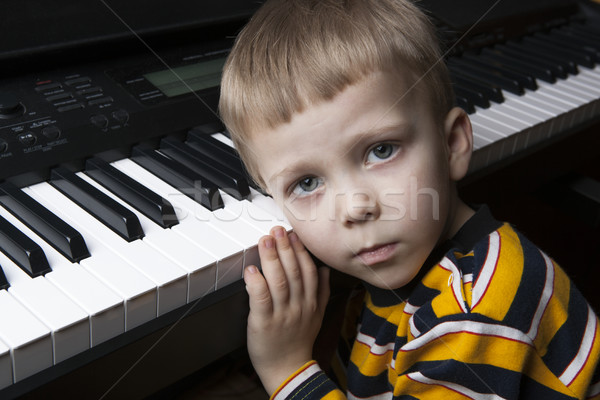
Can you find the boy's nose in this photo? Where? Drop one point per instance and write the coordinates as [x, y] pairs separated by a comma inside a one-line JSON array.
[[358, 206]]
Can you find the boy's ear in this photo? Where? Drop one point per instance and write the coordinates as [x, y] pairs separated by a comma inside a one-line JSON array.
[[459, 142]]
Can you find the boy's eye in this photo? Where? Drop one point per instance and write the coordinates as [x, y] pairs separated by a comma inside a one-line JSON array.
[[306, 186], [381, 152]]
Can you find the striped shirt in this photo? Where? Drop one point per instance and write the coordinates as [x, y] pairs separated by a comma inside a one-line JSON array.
[[492, 317]]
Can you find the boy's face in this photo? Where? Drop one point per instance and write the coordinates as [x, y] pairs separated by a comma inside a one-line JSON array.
[[364, 179]]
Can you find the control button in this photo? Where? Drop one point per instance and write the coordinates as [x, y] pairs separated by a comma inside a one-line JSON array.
[[51, 132], [121, 115], [3, 146], [89, 90], [100, 101], [70, 107], [27, 138], [47, 87], [99, 120], [10, 106], [77, 81], [61, 96]]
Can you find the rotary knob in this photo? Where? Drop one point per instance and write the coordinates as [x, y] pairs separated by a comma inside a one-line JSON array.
[[10, 106]]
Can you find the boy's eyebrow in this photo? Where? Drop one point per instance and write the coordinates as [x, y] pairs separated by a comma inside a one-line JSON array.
[[404, 127]]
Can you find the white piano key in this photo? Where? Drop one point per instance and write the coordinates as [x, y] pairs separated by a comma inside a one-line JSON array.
[[529, 116], [585, 85], [200, 266], [222, 138], [593, 73], [566, 103], [168, 278], [263, 218], [236, 210], [6, 377], [227, 245], [268, 204], [69, 324], [137, 291], [103, 306], [27, 337], [540, 104], [564, 88]]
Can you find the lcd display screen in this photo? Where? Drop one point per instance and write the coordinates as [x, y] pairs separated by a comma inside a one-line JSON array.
[[188, 78]]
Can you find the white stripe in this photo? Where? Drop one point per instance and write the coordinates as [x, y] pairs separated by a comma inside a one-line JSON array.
[[382, 396], [468, 278], [545, 299], [413, 329], [419, 377], [410, 309], [487, 271], [456, 282], [584, 349], [375, 348], [297, 381], [593, 390], [478, 328]]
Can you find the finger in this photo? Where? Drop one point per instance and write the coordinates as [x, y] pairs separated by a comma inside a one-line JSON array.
[[307, 267], [273, 271], [287, 256], [258, 292]]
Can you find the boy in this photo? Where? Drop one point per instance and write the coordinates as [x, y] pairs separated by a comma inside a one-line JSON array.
[[342, 111]]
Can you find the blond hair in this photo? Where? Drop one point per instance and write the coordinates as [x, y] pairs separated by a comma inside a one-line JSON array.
[[294, 53]]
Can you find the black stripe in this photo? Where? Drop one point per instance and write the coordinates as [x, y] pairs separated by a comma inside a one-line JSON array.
[[565, 344], [364, 386], [526, 300], [317, 386]]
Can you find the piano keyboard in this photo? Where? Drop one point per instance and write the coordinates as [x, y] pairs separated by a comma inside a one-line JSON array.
[[519, 97], [110, 248], [124, 283]]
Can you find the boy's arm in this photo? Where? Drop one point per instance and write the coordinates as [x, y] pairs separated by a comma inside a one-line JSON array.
[[287, 304]]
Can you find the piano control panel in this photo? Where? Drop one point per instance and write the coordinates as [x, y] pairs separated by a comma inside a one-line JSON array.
[[65, 116]]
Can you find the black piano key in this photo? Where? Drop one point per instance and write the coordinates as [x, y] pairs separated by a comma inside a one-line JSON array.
[[590, 46], [491, 76], [152, 205], [106, 210], [524, 79], [463, 102], [184, 179], [556, 67], [233, 184], [220, 153], [539, 71], [474, 98], [577, 56], [585, 31], [27, 254], [214, 149], [4, 284], [490, 92], [62, 236], [565, 63]]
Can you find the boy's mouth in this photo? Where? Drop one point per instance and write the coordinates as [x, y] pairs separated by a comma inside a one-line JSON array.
[[377, 254]]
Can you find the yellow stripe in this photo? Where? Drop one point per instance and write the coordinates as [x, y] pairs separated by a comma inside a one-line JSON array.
[[476, 349], [334, 395], [506, 278], [369, 364]]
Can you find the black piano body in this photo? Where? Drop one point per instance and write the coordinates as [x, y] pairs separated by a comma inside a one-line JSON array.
[[82, 80]]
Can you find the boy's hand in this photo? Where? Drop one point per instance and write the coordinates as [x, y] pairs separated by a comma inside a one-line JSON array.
[[286, 307]]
